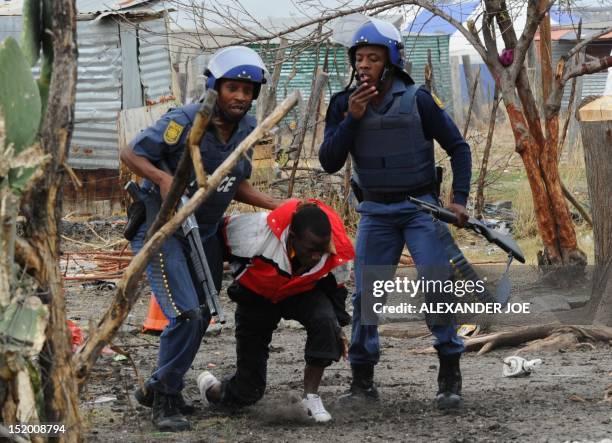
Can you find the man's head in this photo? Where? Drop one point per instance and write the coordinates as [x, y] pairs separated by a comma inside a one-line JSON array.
[[376, 51], [237, 73], [309, 234], [370, 63], [235, 97]]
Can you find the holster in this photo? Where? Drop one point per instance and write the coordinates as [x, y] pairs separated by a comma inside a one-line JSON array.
[[439, 178], [136, 216], [357, 191]]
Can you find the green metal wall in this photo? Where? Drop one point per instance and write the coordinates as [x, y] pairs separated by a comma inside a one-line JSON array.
[[298, 69], [416, 52]]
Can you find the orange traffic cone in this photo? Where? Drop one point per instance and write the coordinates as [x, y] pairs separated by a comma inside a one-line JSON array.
[[156, 320]]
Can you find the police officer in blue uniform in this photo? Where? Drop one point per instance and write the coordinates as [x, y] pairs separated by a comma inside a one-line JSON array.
[[237, 74], [387, 124]]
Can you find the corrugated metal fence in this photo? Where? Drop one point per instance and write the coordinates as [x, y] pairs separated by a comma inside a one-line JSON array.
[[100, 83], [298, 70], [416, 50]]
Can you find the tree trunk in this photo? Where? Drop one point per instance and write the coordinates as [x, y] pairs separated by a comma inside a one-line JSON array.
[[596, 128], [539, 157], [43, 210]]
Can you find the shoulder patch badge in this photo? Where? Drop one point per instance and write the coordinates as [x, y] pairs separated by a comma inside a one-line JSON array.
[[439, 102], [173, 132]]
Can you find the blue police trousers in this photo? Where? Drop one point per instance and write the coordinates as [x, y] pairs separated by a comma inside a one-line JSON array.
[[382, 232], [175, 287]]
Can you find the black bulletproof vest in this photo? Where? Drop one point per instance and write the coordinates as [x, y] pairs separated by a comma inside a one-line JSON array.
[[391, 152]]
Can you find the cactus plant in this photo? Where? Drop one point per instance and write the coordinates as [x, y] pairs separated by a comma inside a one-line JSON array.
[[19, 97], [31, 33]]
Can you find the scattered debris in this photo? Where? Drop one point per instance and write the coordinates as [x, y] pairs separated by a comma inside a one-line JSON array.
[[577, 398], [76, 334], [468, 330], [102, 399], [103, 285], [515, 366]]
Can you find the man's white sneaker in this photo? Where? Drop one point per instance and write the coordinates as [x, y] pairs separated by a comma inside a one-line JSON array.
[[313, 405], [205, 381]]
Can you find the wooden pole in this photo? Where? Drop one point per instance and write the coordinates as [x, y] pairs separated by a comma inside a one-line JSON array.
[[457, 95], [571, 117], [485, 157], [472, 104], [267, 99], [429, 74], [313, 104], [596, 127], [470, 80]]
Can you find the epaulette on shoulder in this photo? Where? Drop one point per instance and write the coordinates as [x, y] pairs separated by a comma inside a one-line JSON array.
[[190, 111]]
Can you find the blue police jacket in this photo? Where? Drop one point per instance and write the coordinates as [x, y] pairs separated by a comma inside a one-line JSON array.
[[342, 134], [167, 139]]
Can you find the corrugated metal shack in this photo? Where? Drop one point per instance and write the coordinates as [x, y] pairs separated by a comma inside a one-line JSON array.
[[124, 62], [564, 39]]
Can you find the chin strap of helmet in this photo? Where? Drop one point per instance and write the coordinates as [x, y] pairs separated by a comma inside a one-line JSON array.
[[385, 74]]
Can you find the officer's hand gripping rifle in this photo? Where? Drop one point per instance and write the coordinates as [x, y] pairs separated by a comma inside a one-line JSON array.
[[461, 264], [505, 242]]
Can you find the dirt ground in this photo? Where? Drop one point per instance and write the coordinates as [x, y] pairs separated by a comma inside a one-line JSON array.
[[560, 401]]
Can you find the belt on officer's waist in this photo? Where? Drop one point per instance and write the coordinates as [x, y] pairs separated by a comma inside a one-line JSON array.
[[398, 196]]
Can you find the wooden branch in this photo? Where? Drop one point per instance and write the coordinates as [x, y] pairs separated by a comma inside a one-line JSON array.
[[267, 98], [388, 4], [488, 29], [536, 11], [372, 8], [485, 156], [472, 98], [313, 105], [429, 75], [77, 183], [570, 105], [198, 129], [486, 343], [568, 195], [590, 67], [126, 294], [183, 169], [576, 49]]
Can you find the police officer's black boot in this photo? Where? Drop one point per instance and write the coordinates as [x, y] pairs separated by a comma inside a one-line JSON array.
[[166, 413], [449, 382], [362, 387]]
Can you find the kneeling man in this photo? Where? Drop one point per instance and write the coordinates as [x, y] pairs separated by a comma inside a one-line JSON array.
[[289, 263]]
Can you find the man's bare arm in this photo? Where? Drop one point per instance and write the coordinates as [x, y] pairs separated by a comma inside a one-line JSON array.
[[246, 193], [144, 168]]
